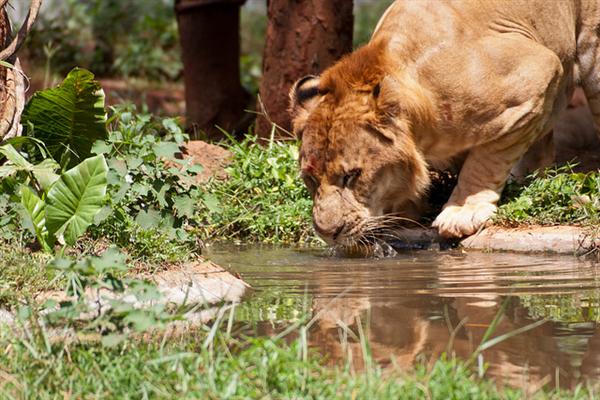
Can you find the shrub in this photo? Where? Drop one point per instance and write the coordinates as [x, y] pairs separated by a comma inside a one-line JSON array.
[[264, 198], [559, 196]]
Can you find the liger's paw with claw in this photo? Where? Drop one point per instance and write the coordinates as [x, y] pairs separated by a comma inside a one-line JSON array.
[[459, 221]]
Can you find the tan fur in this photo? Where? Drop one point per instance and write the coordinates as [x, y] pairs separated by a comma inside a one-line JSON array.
[[439, 78]]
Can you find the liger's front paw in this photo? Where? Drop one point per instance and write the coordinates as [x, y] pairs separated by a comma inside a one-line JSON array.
[[458, 221]]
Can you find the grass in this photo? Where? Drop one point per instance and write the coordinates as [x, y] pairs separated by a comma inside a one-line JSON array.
[[209, 363], [158, 213], [157, 216], [22, 274], [220, 361], [264, 199], [221, 367], [559, 196], [154, 216]]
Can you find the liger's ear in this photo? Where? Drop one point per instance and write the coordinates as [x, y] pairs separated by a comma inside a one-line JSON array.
[[385, 99], [402, 94], [304, 95], [387, 95]]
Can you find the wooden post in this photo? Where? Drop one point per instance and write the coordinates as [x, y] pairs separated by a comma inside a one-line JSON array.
[[210, 43]]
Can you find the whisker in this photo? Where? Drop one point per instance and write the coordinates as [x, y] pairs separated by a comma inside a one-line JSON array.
[[381, 236], [394, 218]]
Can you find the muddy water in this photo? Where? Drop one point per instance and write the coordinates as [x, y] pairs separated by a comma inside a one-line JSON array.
[[418, 305]]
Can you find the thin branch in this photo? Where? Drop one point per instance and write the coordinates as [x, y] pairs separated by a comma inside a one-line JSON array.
[[18, 40]]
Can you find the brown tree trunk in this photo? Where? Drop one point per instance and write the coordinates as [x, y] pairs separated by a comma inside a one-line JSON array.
[[12, 85], [303, 37], [210, 46]]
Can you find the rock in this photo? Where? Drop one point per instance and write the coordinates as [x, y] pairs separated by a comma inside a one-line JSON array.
[[212, 158], [6, 318], [551, 239], [531, 239], [201, 282], [200, 285]]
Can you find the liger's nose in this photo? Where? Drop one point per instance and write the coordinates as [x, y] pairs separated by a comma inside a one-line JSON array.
[[329, 231]]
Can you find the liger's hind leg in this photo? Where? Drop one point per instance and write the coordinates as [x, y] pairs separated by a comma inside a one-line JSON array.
[[589, 72]]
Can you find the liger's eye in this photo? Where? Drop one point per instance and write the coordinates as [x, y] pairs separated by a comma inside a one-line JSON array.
[[310, 181], [350, 177]]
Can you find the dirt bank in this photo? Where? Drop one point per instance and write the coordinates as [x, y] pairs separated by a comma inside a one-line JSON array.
[[202, 286]]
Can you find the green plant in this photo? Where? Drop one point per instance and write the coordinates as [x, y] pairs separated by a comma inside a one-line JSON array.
[[251, 72], [100, 298], [212, 362], [68, 119], [8, 217], [557, 196], [60, 39], [58, 207], [580, 307], [152, 49], [253, 28], [269, 305], [154, 195], [60, 122], [18, 167], [263, 199], [366, 17]]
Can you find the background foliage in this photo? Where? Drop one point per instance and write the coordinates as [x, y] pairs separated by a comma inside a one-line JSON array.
[[139, 38], [109, 37]]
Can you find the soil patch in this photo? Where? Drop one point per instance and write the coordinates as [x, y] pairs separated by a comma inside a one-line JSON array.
[[213, 159]]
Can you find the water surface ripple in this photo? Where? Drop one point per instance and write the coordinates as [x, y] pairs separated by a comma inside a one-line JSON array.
[[411, 305]]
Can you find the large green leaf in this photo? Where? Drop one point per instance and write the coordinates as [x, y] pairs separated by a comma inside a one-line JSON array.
[[36, 211], [16, 161], [76, 198], [68, 118], [43, 172]]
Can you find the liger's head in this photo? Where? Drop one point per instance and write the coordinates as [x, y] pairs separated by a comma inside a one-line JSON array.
[[358, 155]]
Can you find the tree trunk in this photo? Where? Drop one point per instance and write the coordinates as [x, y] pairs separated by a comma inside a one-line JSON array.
[[210, 43], [303, 37], [12, 85]]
